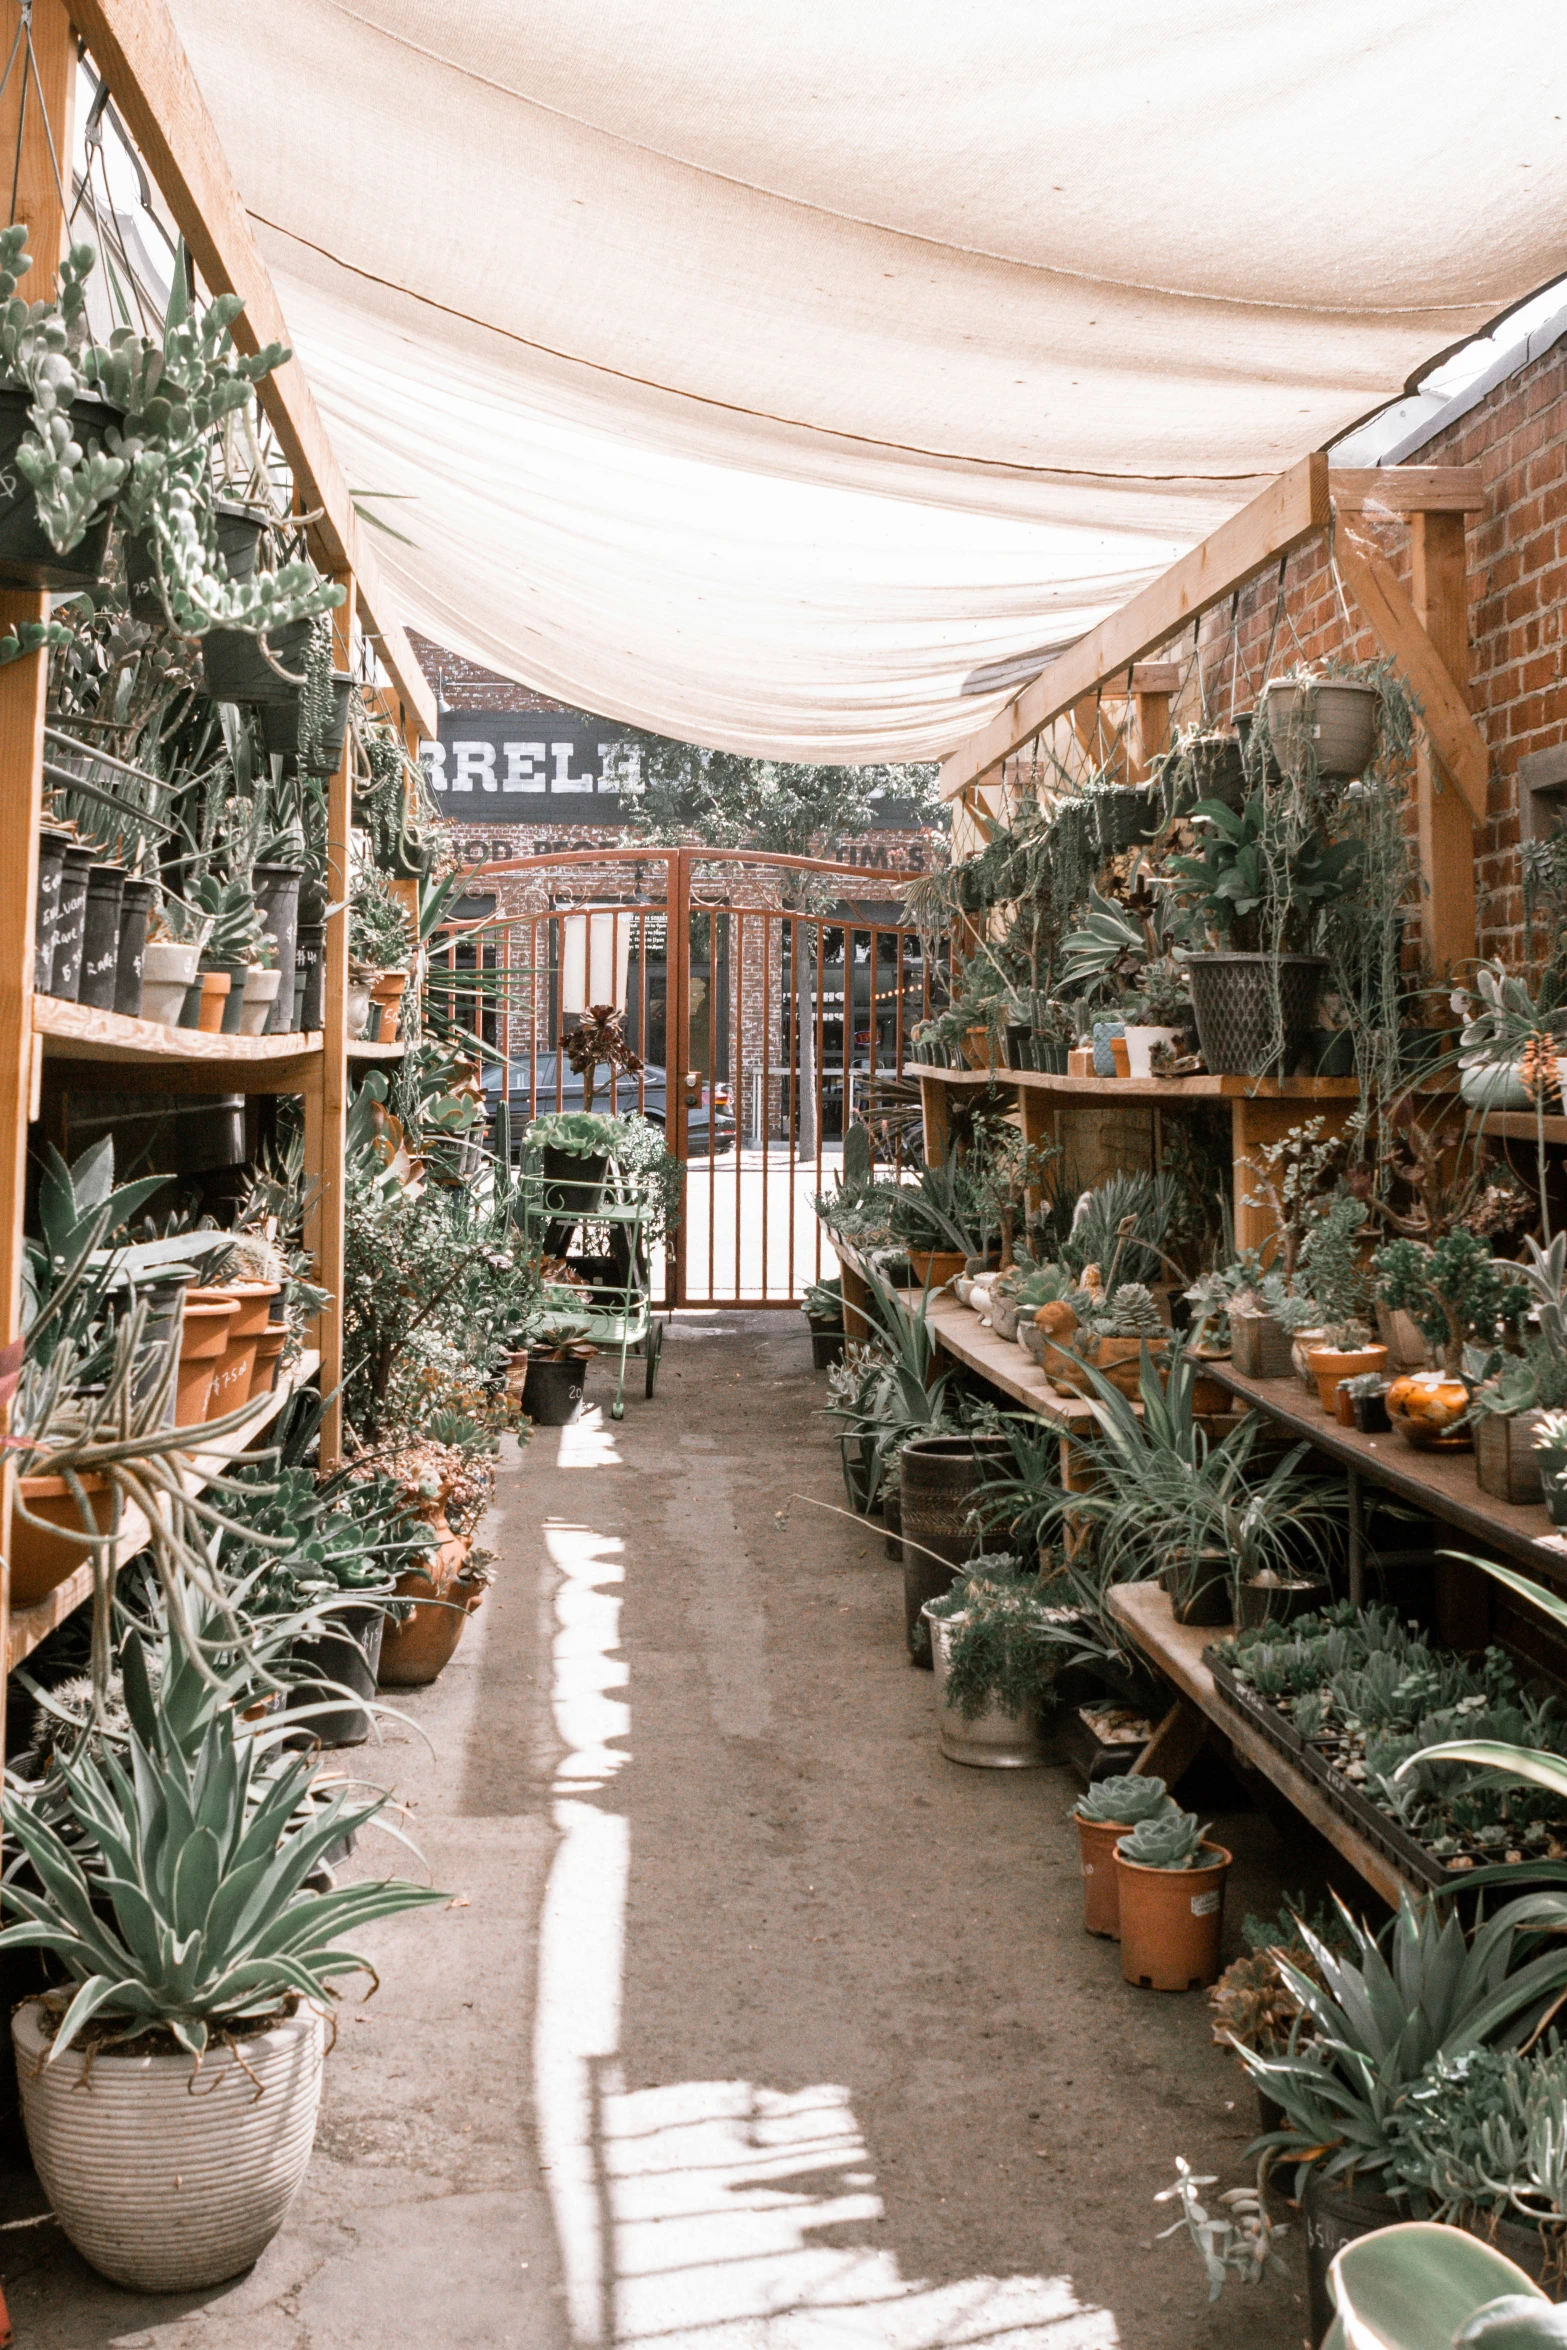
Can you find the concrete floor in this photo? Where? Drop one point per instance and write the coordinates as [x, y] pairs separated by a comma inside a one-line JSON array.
[[757, 2025]]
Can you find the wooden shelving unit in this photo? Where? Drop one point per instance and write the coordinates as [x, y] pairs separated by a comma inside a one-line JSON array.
[[384, 1055], [29, 1625]]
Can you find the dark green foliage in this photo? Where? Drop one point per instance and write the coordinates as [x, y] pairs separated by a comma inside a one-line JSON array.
[[1007, 1643]]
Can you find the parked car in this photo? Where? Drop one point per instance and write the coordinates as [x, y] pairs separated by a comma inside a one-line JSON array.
[[711, 1116]]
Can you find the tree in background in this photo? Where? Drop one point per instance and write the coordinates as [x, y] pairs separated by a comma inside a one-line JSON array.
[[681, 793]]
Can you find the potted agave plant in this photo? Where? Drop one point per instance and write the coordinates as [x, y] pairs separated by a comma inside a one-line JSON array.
[[185, 1951]]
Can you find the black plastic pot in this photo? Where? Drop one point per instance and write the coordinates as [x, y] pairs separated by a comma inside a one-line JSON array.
[[940, 1475], [1232, 997], [70, 924], [856, 1453], [1334, 2216], [310, 965], [1279, 1603], [826, 1346], [190, 1011], [347, 1655], [101, 938], [28, 557], [1371, 1414], [239, 530], [1272, 772], [573, 1188], [135, 906], [552, 1391], [277, 902], [234, 670], [1209, 1595], [1018, 1034], [892, 1516], [51, 851], [165, 1302], [280, 729], [1216, 770]]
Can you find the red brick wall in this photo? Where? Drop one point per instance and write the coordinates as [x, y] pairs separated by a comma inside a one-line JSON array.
[[1517, 549]]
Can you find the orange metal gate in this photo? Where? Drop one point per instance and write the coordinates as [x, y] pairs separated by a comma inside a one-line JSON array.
[[770, 999]]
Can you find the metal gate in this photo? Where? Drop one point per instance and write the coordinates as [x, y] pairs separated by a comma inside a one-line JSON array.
[[770, 999]]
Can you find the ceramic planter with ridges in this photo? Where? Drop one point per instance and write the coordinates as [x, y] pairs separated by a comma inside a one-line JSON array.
[[938, 1481], [160, 2188]]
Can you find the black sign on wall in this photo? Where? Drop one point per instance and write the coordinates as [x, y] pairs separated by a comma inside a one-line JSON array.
[[550, 767]]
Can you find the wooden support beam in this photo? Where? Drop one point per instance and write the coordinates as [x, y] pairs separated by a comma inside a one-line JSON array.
[[136, 49], [1454, 736], [1408, 489], [1439, 583], [1287, 512], [326, 1099]]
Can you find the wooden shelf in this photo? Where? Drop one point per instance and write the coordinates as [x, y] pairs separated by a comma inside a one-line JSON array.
[[362, 1049], [1520, 1126], [1001, 1361], [1177, 1651], [1156, 1089], [1440, 1483], [29, 1625], [229, 1064]]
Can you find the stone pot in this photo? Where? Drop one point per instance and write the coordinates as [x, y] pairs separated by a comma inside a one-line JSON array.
[[167, 968], [163, 2190]]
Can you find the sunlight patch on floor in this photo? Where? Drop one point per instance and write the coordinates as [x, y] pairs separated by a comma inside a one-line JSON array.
[[588, 1443]]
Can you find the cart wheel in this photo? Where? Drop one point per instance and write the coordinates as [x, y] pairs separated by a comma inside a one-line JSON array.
[[617, 1411]]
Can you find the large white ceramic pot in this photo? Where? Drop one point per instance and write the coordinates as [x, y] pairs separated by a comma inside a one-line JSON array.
[[164, 2181], [168, 966]]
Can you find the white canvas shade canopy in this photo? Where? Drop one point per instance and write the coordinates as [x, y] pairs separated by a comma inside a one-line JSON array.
[[756, 371]]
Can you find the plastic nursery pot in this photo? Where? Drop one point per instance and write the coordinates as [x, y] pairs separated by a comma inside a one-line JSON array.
[[939, 1475], [348, 1654], [277, 902], [1233, 1000], [235, 670], [161, 2190], [1258, 1602], [1328, 1365], [52, 846], [28, 557], [309, 968], [101, 937], [41, 1560], [203, 1342], [993, 1740], [1553, 1479], [1205, 1595], [1336, 2215], [269, 1354], [135, 906], [280, 728], [388, 993], [1172, 1921], [552, 1392], [1371, 1414], [70, 924], [1096, 1843]]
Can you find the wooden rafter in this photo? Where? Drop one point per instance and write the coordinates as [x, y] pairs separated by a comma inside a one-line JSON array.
[[1455, 738], [136, 49]]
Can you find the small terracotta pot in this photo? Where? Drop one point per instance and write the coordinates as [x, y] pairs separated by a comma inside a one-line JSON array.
[[215, 987], [40, 1561], [933, 1266], [236, 1368], [270, 1343], [1096, 1843], [414, 1653], [1121, 1055], [1343, 1406], [388, 993], [203, 1341], [1172, 1922], [254, 1299], [1328, 1366]]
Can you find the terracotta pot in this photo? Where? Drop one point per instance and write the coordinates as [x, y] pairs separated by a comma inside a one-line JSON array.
[[517, 1372], [1302, 1346], [414, 1653], [1426, 1409], [40, 1561], [254, 1299], [270, 1343], [235, 1370], [1172, 1922], [1096, 1843], [1328, 1366], [388, 993], [215, 987], [934, 1266], [203, 1342]]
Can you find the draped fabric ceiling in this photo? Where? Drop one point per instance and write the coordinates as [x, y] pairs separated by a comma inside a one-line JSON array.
[[754, 372]]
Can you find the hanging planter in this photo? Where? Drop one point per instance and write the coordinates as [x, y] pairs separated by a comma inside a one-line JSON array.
[[280, 729], [1233, 998], [28, 557], [1332, 720], [1214, 764], [234, 669]]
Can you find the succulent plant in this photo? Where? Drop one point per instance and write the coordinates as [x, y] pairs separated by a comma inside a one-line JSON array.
[[1166, 1840], [1123, 1802]]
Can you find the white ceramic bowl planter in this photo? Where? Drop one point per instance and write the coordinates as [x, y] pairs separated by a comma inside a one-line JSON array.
[[168, 2178]]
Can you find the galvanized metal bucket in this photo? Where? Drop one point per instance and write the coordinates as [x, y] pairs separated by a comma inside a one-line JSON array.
[[993, 1740]]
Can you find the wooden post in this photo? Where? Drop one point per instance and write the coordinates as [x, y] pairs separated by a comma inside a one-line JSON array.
[[938, 1132], [1259, 1119], [30, 99], [326, 1093], [1154, 683], [1440, 596]]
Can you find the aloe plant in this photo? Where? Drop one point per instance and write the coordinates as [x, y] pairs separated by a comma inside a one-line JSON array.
[[1423, 2287], [1124, 1801], [1170, 1839]]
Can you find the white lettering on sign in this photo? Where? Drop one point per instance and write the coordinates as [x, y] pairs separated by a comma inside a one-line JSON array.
[[609, 781], [564, 780], [524, 767], [433, 756], [474, 759]]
